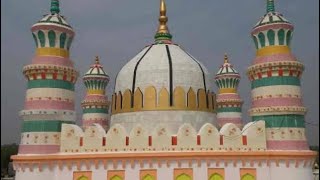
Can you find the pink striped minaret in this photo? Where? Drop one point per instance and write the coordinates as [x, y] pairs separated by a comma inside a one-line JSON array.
[[229, 102], [95, 105], [275, 82], [51, 77]]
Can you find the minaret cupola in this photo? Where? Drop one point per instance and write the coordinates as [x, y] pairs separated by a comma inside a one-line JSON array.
[[52, 34]]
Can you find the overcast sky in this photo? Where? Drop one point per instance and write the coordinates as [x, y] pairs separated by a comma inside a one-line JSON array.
[[117, 30]]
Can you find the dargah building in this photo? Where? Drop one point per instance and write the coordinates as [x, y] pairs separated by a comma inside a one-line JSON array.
[[163, 121]]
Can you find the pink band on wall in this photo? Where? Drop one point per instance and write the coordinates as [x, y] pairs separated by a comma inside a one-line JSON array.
[[38, 149], [272, 26], [274, 58], [287, 145], [52, 27], [54, 60], [277, 102], [228, 96], [49, 104], [96, 97]]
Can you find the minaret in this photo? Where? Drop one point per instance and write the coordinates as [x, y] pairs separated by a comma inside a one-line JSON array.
[[95, 104], [51, 77], [275, 82], [229, 102]]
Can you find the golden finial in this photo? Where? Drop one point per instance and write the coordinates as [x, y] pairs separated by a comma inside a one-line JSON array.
[[226, 60], [97, 60], [163, 19]]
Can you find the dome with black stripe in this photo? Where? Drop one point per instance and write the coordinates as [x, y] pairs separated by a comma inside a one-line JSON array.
[[163, 83]]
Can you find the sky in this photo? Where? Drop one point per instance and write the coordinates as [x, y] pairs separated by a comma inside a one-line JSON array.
[[116, 30]]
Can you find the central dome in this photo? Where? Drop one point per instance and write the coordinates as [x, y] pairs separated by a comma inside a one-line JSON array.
[[163, 84], [163, 66]]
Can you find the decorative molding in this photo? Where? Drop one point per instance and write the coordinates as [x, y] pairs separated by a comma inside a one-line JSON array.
[[151, 100]]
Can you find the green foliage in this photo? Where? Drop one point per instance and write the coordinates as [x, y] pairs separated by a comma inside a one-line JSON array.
[[6, 152]]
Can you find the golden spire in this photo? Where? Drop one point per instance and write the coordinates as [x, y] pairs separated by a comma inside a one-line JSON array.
[[163, 19], [163, 35], [226, 60], [97, 60]]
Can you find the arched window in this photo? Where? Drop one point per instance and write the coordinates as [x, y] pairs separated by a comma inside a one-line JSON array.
[[216, 176], [255, 40], [248, 177], [148, 177], [281, 36], [41, 38], [262, 39], [63, 37], [116, 177], [52, 38], [288, 37], [223, 83], [270, 35], [183, 177], [227, 83]]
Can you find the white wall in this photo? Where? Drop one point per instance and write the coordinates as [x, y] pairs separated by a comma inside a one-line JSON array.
[[166, 173]]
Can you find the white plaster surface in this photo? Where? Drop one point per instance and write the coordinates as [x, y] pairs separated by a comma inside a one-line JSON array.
[[153, 70], [173, 119]]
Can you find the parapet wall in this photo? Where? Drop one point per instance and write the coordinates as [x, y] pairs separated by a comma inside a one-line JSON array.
[[230, 138]]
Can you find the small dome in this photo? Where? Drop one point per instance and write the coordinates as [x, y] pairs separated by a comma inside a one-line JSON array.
[[226, 68], [272, 17], [54, 18], [272, 29], [96, 70]]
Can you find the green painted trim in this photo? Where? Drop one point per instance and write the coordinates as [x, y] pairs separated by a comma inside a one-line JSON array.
[[271, 37], [278, 80], [162, 36], [52, 38], [281, 36], [41, 38], [43, 126], [289, 120], [50, 83], [270, 6], [63, 37], [54, 7], [262, 39], [229, 109], [95, 110], [288, 39]]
